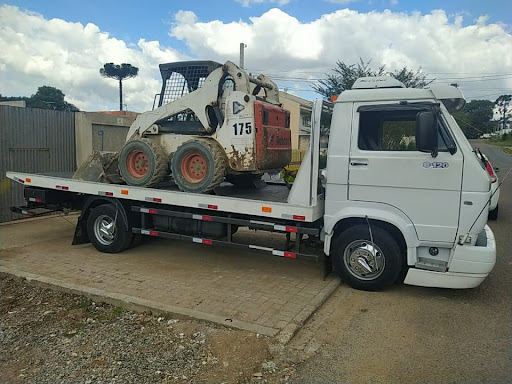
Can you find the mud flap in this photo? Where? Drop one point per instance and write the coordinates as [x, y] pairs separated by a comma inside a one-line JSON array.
[[80, 236]]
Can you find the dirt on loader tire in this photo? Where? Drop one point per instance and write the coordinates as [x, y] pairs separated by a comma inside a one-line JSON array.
[[159, 170], [217, 159]]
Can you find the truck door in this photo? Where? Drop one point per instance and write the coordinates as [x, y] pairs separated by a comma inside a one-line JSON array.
[[386, 168]]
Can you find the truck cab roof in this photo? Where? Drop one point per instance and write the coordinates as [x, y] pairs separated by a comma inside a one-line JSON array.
[[451, 96]]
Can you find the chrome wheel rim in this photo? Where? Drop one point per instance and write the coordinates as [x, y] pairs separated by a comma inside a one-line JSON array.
[[364, 260], [105, 229]]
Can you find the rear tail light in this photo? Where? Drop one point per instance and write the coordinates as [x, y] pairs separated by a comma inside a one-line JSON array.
[[490, 171]]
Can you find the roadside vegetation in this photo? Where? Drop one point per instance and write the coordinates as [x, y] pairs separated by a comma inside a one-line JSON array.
[[504, 141]]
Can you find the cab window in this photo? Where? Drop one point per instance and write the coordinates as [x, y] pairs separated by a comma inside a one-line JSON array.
[[391, 130]]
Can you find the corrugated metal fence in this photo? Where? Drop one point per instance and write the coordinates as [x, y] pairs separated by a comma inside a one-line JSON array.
[[32, 140]]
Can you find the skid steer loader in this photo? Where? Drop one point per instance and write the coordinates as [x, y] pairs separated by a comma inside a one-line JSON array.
[[213, 122]]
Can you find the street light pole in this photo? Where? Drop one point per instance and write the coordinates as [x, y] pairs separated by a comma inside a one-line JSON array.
[[242, 48]]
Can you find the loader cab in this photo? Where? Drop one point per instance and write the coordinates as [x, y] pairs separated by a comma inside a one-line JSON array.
[[183, 77], [178, 80]]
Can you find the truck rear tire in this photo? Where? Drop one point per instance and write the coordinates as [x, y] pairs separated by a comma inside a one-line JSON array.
[[365, 265], [142, 163], [136, 240], [198, 166], [105, 230]]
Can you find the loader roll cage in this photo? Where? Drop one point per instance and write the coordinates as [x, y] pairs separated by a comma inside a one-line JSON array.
[[183, 77]]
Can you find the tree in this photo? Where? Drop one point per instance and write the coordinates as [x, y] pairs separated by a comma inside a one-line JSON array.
[[13, 98], [345, 75], [475, 118], [119, 72], [46, 97], [410, 78], [503, 102]]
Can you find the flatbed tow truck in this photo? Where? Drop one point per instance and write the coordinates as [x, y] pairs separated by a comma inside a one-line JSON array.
[[377, 214]]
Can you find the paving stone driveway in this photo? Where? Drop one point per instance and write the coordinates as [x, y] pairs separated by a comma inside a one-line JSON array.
[[247, 290]]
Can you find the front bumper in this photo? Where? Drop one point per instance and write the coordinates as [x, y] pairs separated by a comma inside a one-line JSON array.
[[469, 266]]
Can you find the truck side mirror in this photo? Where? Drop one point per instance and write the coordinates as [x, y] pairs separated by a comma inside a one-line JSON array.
[[426, 133]]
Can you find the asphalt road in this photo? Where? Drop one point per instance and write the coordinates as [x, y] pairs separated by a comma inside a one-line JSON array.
[[418, 335]]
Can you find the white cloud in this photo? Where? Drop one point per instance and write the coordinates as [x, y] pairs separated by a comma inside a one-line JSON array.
[[341, 1], [66, 55], [37, 51], [280, 44], [247, 3]]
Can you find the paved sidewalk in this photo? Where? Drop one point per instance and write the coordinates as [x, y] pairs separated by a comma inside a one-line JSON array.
[[247, 290]]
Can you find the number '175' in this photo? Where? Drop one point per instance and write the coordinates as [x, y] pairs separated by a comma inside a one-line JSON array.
[[239, 128]]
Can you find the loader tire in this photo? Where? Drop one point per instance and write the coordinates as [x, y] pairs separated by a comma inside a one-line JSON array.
[[142, 163], [198, 166]]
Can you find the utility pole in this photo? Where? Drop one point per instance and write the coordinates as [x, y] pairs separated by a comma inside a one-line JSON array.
[[242, 48]]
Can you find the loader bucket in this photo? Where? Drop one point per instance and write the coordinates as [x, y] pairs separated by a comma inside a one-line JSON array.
[[100, 167]]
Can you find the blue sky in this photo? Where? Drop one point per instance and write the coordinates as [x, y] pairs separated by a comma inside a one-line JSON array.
[[151, 19], [295, 42]]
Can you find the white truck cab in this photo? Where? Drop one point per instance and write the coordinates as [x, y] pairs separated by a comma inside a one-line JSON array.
[[401, 173]]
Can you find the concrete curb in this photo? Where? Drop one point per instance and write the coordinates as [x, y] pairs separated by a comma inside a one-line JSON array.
[[134, 303], [287, 333], [282, 336]]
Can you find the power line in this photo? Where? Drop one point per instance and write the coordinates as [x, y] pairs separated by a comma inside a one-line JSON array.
[[481, 74], [457, 76], [492, 89], [470, 73], [471, 81], [478, 77], [468, 96], [441, 81], [489, 95]]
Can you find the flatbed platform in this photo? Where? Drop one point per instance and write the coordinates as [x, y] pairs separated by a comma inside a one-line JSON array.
[[269, 201]]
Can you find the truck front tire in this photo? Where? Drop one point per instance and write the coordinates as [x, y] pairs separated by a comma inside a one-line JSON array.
[[106, 231], [365, 265]]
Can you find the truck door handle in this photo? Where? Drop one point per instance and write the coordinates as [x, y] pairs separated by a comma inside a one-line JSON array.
[[355, 163]]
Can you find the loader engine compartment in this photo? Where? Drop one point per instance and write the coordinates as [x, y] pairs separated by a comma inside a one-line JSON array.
[[273, 136]]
